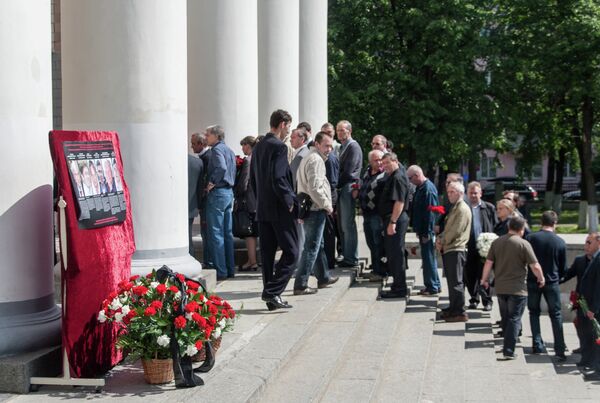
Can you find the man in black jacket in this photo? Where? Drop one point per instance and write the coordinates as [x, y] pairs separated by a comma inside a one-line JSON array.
[[271, 181], [484, 220], [589, 288]]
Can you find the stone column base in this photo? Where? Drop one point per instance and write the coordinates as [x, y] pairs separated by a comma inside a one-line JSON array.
[[16, 370]]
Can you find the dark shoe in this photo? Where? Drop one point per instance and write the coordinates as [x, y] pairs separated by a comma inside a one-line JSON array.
[[538, 350], [509, 357], [391, 294], [427, 292], [487, 307], [577, 351], [305, 291], [375, 278], [473, 305], [343, 263], [231, 275], [500, 334], [561, 357], [248, 268], [332, 280], [584, 364], [592, 376], [219, 278], [276, 303], [457, 318]]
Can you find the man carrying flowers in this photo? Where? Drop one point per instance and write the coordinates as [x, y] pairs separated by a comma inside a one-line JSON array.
[[588, 290]]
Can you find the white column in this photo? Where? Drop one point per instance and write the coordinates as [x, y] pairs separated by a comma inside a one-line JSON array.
[[313, 63], [278, 72], [222, 66], [29, 318], [124, 67]]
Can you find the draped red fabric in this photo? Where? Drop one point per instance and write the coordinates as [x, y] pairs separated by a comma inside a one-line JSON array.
[[97, 260]]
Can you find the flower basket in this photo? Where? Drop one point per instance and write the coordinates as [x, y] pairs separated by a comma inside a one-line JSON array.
[[201, 355], [158, 371]]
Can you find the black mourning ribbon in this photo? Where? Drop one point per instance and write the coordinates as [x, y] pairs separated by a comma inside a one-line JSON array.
[[182, 365]]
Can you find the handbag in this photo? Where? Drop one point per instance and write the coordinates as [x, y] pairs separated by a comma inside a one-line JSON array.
[[243, 225], [304, 205]]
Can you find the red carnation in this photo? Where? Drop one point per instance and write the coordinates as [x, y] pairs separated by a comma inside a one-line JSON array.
[[436, 209], [238, 161], [192, 292], [180, 322], [131, 314], [213, 310], [149, 275], [598, 341], [174, 289], [199, 345], [150, 311], [181, 277], [156, 304], [140, 290], [133, 278], [161, 289], [191, 306], [192, 284], [212, 320], [112, 295], [199, 319], [126, 286], [231, 313], [208, 331], [226, 305], [355, 186]]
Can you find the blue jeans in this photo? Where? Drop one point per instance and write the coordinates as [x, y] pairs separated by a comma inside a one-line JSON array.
[[511, 311], [373, 227], [313, 255], [551, 293], [428, 256], [219, 204], [347, 217]]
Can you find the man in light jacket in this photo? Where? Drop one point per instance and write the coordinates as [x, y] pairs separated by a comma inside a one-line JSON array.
[[312, 181], [452, 243]]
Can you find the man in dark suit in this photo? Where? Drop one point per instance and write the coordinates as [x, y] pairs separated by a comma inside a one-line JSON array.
[[195, 190], [202, 149], [271, 180], [589, 288], [484, 220]]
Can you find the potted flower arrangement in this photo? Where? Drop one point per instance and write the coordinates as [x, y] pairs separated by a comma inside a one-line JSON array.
[[148, 312]]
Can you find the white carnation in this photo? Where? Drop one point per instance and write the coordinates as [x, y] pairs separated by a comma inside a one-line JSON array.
[[188, 315], [154, 284], [102, 316], [191, 350], [115, 304], [217, 333], [163, 340], [177, 295], [484, 243], [223, 322], [119, 317], [125, 309]]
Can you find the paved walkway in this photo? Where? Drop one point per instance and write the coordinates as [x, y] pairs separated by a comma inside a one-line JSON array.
[[343, 345]]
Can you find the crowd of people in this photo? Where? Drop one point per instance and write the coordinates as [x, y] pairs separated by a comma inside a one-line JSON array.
[[301, 192]]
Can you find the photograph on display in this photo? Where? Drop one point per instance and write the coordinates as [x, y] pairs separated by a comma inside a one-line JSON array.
[[96, 182]]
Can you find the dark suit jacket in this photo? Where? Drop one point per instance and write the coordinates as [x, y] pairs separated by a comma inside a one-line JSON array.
[[488, 219], [195, 183], [589, 286], [577, 269], [271, 179], [205, 161]]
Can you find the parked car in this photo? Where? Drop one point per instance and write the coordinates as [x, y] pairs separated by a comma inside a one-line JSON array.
[[575, 195], [508, 183]]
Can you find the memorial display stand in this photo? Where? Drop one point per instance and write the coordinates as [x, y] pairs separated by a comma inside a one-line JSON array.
[[66, 378]]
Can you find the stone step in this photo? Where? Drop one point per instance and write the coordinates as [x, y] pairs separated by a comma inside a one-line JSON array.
[[341, 358]]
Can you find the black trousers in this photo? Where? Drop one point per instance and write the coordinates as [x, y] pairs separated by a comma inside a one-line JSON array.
[[282, 234], [329, 239], [473, 272], [454, 263], [394, 250], [590, 351]]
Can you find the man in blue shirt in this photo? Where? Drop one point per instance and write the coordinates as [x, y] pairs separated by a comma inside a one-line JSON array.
[[220, 175], [423, 220]]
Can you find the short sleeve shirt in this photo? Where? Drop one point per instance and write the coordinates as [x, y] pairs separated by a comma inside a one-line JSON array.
[[511, 255], [395, 189]]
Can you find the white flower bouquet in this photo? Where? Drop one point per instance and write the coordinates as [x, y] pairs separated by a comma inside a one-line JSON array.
[[484, 242]]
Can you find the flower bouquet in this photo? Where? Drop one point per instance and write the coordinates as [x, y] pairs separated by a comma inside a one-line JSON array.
[[577, 301], [153, 324], [484, 243]]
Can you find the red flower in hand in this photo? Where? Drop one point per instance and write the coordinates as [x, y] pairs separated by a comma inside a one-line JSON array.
[[238, 161], [598, 341], [437, 209]]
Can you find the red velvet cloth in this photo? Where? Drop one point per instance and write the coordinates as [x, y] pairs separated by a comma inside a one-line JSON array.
[[97, 260]]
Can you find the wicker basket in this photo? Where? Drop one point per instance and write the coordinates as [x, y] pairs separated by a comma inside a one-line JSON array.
[[158, 371], [201, 355]]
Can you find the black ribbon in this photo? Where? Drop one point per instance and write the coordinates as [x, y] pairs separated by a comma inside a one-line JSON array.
[[182, 365]]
